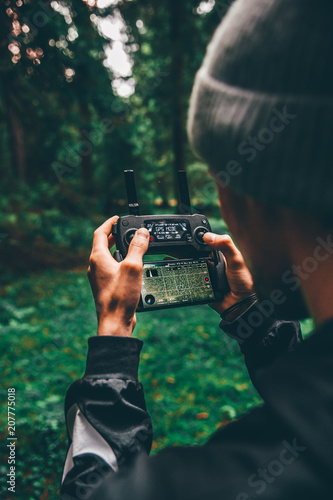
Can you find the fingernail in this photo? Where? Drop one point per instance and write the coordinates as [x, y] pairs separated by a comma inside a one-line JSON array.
[[209, 238], [143, 233]]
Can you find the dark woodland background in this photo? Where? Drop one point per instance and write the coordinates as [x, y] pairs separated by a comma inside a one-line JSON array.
[[66, 135]]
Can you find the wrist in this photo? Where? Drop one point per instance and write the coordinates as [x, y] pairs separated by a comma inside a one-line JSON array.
[[239, 307], [111, 326], [237, 312]]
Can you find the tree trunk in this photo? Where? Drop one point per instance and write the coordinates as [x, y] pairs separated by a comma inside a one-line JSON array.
[[178, 136], [16, 134], [86, 151]]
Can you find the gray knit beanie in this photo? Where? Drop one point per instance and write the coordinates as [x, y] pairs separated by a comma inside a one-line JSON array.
[[261, 111]]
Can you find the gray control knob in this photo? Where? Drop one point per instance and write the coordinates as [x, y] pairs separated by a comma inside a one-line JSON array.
[[129, 235], [199, 233]]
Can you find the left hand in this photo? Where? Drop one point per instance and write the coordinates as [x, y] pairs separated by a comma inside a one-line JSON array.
[[116, 286]]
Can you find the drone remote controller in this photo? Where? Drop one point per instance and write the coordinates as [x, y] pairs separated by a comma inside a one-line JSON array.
[[197, 276]]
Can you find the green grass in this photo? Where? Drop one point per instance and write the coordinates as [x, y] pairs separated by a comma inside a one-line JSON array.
[[193, 375]]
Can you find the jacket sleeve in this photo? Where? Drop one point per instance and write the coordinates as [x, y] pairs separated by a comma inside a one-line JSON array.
[[261, 337], [107, 421]]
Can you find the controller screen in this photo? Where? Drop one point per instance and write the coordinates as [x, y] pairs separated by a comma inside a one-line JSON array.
[[176, 282], [165, 231]]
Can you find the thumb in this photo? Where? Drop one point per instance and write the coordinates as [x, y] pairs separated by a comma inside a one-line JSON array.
[[224, 244], [139, 244]]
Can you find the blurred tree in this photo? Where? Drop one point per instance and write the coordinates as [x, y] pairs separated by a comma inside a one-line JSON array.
[[171, 37], [65, 125], [54, 86]]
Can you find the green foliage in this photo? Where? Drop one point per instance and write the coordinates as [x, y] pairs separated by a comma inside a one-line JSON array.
[[45, 321], [64, 129], [36, 237]]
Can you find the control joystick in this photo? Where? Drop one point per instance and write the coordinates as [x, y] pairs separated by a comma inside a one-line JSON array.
[[199, 233], [129, 235]]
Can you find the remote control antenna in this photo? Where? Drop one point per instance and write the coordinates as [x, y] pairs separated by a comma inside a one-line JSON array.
[[185, 203], [133, 205]]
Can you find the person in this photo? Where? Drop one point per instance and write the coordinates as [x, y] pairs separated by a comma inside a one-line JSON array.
[[261, 117]]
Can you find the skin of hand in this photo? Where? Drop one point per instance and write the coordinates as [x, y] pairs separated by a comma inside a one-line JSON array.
[[238, 274], [116, 286]]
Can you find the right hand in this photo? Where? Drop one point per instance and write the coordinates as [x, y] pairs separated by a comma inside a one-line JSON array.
[[238, 275], [116, 286]]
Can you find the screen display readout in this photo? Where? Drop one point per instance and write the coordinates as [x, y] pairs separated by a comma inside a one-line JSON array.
[[176, 282], [168, 231]]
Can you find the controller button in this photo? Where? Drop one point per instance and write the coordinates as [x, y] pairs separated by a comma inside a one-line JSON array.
[[125, 223], [199, 233], [204, 221], [129, 235], [152, 238]]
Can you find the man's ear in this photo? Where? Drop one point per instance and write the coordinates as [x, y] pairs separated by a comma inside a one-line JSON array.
[[233, 207]]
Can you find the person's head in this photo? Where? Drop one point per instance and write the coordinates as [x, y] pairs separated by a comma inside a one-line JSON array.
[[261, 116], [282, 247]]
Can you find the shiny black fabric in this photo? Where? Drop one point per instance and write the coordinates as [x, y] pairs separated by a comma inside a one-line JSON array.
[[279, 451]]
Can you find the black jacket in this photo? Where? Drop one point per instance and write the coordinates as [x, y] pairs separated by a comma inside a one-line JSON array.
[[282, 450]]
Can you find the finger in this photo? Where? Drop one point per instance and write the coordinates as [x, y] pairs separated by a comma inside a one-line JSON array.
[[102, 233], [111, 241], [225, 244], [138, 246]]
